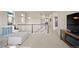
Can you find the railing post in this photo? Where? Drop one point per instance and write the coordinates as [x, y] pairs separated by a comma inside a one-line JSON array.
[[47, 28], [32, 28]]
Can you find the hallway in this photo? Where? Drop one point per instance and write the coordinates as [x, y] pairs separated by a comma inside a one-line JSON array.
[[44, 40]]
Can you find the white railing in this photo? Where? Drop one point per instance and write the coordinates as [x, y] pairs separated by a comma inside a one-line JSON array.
[[33, 28]]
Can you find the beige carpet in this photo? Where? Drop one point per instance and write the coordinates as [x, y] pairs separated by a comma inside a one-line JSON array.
[[43, 40]]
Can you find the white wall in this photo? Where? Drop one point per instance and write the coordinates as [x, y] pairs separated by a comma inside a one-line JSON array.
[[18, 17], [35, 18], [3, 18]]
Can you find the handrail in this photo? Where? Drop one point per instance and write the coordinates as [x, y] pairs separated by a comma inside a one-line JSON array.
[[30, 24]]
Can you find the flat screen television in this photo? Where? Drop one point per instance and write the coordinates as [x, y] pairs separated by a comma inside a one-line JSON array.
[[73, 23]]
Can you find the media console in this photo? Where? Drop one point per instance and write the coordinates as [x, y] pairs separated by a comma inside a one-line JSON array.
[[71, 34], [70, 38]]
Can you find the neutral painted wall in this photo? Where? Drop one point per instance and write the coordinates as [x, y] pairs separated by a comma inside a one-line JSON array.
[[3, 18], [18, 17], [34, 17]]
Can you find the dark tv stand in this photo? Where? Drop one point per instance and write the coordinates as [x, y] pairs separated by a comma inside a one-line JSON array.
[[71, 39]]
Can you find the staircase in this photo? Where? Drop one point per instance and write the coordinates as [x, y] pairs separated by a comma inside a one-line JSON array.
[[42, 30]]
